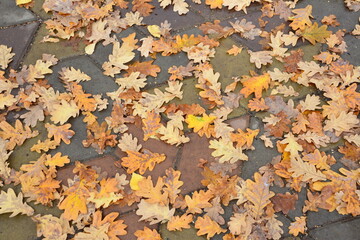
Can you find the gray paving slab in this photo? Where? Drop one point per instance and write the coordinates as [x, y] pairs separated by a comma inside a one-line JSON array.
[[345, 230], [19, 38], [10, 14]]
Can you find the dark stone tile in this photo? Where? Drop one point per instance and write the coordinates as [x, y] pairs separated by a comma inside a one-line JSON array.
[[192, 152], [258, 157], [165, 63], [315, 219], [178, 22], [347, 18], [19, 38], [10, 14], [353, 50], [61, 49], [345, 230], [239, 122], [133, 224], [101, 53]]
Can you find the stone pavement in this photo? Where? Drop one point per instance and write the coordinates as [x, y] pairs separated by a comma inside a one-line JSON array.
[[23, 30]]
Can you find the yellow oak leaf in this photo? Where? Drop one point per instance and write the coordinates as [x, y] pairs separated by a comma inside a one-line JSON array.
[[214, 3], [315, 34], [141, 161], [7, 100], [198, 123], [255, 85], [154, 30], [134, 181], [44, 146]]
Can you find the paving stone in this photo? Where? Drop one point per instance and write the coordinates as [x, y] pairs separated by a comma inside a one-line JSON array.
[[192, 152], [155, 146], [345, 230], [133, 224], [177, 22], [230, 66], [316, 219], [239, 122], [19, 38], [61, 49], [101, 53], [347, 18], [20, 227], [258, 157], [353, 50], [98, 84], [10, 14], [189, 233], [38, 10], [165, 63]]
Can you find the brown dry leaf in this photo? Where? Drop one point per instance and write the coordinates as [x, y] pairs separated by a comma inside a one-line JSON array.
[[143, 7], [52, 227], [257, 104], [258, 193], [178, 223], [151, 124], [99, 137], [208, 227], [226, 152], [299, 226], [284, 202], [144, 68], [330, 20], [141, 161], [60, 133]]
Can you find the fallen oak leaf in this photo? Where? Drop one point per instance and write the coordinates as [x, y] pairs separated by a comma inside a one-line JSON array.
[[141, 161], [60, 133], [299, 226], [208, 227], [10, 203], [178, 223], [147, 234]]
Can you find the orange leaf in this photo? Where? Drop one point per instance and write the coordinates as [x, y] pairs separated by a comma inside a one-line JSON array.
[[147, 234], [115, 228], [141, 161], [57, 160], [172, 184], [257, 104], [177, 223], [208, 227], [143, 7], [151, 193], [16, 135], [197, 201], [241, 138], [255, 85], [301, 18], [299, 226], [235, 50]]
